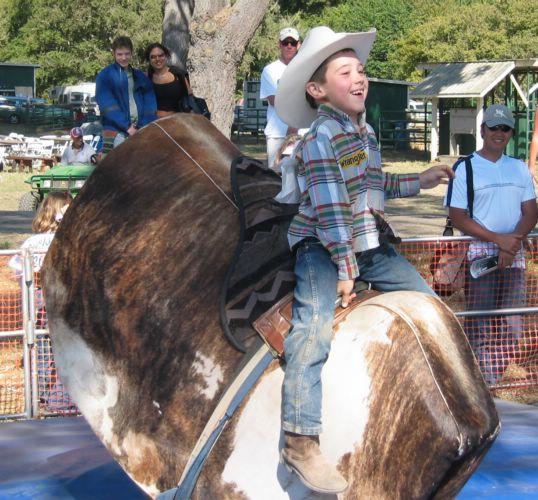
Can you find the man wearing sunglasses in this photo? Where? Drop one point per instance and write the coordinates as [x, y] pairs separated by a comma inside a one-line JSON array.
[[503, 213], [276, 130]]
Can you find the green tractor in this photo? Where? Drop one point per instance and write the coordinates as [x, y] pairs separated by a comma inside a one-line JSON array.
[[68, 178]]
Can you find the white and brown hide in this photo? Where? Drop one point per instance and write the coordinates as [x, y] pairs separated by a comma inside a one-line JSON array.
[[132, 283]]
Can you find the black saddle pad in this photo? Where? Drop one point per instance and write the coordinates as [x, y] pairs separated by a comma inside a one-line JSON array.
[[261, 272]]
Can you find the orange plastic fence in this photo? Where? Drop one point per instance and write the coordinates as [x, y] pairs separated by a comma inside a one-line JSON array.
[[498, 312], [11, 376]]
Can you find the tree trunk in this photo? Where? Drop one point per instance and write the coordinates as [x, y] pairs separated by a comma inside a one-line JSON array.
[[219, 34], [176, 20]]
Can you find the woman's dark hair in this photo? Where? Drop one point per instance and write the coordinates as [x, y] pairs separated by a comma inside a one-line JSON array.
[[155, 45]]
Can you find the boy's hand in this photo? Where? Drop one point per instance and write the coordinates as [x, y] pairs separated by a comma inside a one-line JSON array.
[[440, 174], [345, 289]]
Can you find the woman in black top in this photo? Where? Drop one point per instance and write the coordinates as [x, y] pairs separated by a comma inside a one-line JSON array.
[[171, 86]]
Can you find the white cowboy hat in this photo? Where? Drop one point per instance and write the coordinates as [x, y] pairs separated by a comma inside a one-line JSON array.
[[320, 43]]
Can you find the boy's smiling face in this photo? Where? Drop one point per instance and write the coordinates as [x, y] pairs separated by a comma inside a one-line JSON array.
[[345, 86]]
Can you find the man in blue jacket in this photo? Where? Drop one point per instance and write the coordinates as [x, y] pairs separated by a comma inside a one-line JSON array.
[[125, 96]]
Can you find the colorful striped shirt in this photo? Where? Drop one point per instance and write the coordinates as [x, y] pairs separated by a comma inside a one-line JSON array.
[[344, 188]]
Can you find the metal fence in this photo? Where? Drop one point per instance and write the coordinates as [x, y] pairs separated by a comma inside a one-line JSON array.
[[29, 384], [400, 130], [498, 313]]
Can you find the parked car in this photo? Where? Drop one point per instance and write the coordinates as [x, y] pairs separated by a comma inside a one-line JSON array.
[[21, 110], [9, 112], [68, 178]]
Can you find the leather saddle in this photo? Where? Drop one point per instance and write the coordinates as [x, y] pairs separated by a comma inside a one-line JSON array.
[[274, 325]]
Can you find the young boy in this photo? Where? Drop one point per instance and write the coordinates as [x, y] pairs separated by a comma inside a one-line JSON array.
[[125, 96], [339, 232]]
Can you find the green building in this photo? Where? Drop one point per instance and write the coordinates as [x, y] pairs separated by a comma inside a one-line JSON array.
[[18, 79], [383, 96]]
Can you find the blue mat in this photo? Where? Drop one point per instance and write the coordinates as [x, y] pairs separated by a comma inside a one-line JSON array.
[[61, 458]]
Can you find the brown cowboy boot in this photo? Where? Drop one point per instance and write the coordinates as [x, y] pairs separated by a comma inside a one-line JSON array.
[[302, 455]]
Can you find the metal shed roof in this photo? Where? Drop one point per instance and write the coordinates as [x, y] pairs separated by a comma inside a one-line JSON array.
[[474, 79]]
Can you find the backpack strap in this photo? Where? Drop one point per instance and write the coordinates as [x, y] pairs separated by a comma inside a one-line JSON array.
[[449, 228], [470, 186]]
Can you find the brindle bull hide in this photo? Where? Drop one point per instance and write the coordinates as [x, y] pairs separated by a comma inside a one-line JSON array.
[[132, 283]]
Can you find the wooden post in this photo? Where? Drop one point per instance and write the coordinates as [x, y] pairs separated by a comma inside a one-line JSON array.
[[434, 145], [478, 123]]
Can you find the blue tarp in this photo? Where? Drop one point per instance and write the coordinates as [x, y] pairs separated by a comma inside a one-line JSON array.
[[61, 458]]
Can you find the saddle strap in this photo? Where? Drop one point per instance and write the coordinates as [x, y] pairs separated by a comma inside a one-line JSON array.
[[223, 412], [274, 325]]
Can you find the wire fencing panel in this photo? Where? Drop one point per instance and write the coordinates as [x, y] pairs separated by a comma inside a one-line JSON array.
[[29, 383], [498, 312]]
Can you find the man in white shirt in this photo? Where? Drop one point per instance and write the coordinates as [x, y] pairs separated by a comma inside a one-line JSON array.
[[276, 130], [78, 151], [503, 213]]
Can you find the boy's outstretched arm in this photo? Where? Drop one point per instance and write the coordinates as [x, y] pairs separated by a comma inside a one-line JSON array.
[[440, 174]]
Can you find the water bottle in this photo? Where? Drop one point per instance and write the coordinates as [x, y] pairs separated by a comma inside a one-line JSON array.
[[483, 266]]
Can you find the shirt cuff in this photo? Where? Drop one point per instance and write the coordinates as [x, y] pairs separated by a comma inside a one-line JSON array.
[[409, 184], [348, 268]]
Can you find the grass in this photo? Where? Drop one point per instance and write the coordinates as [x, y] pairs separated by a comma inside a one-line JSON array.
[[12, 187]]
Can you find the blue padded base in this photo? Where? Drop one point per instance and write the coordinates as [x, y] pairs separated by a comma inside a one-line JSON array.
[[61, 458]]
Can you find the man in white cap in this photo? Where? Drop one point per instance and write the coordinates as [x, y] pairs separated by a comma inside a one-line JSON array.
[[339, 232], [276, 130], [503, 212], [78, 151]]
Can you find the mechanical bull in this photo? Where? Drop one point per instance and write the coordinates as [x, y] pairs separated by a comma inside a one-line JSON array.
[[133, 284]]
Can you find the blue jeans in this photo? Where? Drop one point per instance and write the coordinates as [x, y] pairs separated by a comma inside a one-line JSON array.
[[309, 342], [494, 340]]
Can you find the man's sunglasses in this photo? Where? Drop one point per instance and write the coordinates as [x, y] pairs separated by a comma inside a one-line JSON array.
[[285, 43], [503, 128]]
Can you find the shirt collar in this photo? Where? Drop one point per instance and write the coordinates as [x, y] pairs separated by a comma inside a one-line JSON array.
[[336, 114], [345, 120]]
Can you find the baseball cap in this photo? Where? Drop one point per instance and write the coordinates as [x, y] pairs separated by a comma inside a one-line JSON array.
[[498, 114], [288, 33], [76, 132]]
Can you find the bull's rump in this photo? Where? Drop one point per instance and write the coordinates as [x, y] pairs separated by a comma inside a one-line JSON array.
[[406, 413]]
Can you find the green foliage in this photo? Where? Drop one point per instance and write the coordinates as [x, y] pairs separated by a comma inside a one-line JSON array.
[[469, 31], [391, 18], [71, 40], [305, 6], [263, 47]]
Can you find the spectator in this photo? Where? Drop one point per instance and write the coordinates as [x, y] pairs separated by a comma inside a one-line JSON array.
[[171, 86], [339, 231], [45, 223], [276, 130], [125, 96], [78, 151], [503, 213]]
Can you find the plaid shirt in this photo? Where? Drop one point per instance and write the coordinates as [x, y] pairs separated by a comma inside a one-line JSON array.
[[345, 187]]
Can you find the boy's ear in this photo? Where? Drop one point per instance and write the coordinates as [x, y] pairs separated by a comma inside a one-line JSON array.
[[316, 90]]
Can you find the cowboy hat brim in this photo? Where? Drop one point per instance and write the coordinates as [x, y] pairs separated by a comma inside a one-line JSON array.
[[320, 43]]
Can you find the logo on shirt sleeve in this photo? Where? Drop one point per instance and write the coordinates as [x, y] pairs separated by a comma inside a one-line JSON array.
[[353, 159]]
